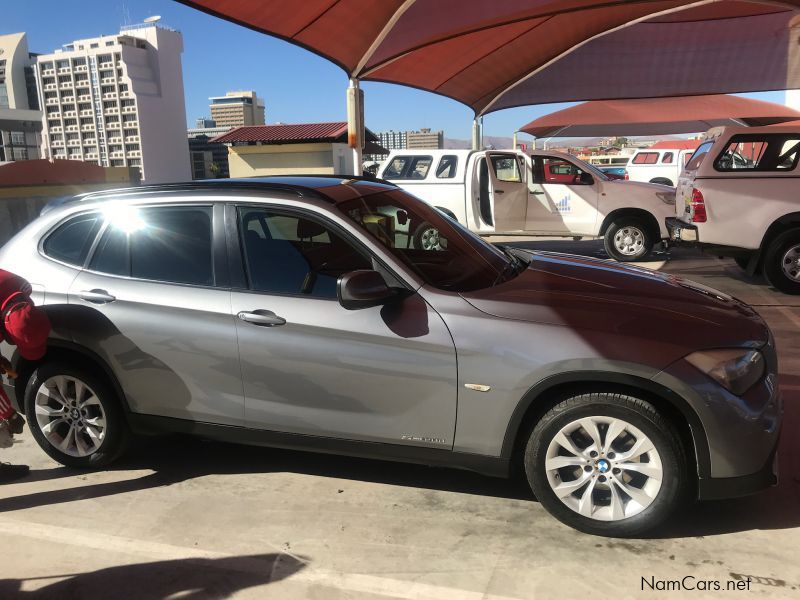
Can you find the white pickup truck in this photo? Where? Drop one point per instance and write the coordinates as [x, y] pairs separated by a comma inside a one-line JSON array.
[[658, 165], [739, 196], [543, 193]]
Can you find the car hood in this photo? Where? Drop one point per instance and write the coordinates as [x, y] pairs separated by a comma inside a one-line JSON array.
[[592, 295]]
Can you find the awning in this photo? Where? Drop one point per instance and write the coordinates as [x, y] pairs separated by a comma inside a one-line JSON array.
[[654, 116], [492, 55]]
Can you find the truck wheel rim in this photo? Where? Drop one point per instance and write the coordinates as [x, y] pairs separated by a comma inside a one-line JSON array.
[[603, 468], [429, 240], [70, 416], [791, 263], [629, 241]]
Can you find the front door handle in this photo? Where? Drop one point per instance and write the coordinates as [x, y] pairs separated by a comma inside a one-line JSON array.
[[96, 296], [499, 191], [262, 318]]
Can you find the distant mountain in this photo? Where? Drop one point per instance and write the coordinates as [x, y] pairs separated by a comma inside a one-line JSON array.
[[497, 142]]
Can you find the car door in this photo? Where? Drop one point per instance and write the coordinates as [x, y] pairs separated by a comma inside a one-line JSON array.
[[508, 191], [385, 373], [154, 303], [572, 191]]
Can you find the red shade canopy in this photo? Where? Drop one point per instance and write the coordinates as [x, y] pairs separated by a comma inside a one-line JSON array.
[[492, 55], [653, 116]]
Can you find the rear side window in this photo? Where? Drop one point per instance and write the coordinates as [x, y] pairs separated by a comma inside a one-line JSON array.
[[645, 158], [447, 167], [668, 158], [71, 242], [760, 152], [169, 244], [408, 167], [698, 156]]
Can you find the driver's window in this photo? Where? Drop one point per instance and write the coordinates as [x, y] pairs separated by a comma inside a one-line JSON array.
[[506, 168], [558, 170], [291, 254]]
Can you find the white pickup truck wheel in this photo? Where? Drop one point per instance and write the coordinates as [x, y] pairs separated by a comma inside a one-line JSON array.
[[628, 239], [782, 262]]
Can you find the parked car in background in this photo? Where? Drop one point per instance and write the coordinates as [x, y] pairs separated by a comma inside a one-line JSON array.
[[615, 172], [739, 197], [658, 165], [293, 312], [542, 193]]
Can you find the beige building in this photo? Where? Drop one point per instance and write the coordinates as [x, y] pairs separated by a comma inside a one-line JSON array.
[[118, 101], [311, 148], [20, 118], [425, 138], [237, 109]]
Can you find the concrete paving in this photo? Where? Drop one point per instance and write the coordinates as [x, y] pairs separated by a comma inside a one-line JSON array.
[[180, 518]]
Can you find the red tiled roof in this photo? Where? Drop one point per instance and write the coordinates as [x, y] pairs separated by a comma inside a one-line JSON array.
[[676, 145], [275, 134]]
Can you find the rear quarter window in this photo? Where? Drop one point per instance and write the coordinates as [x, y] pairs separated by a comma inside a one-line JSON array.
[[71, 241], [699, 155]]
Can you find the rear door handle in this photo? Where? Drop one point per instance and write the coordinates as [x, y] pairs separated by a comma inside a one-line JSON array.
[[499, 191], [96, 296], [262, 318]]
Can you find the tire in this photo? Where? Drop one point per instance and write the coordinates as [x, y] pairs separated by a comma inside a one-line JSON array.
[[781, 259], [641, 238], [426, 237], [641, 422], [103, 434]]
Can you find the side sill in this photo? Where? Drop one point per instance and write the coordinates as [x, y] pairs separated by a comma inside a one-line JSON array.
[[434, 457]]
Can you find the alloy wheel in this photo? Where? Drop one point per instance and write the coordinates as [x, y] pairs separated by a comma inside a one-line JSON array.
[[791, 263], [603, 468], [70, 416], [430, 240]]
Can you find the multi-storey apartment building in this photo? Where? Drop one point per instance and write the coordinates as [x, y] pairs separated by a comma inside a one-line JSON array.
[[20, 119], [236, 109], [118, 101], [425, 138]]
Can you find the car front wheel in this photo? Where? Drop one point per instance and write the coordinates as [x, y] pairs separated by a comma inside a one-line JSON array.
[[782, 262], [628, 239], [606, 464], [75, 416]]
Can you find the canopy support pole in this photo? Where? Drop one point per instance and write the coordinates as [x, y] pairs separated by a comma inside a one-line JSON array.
[[355, 125], [477, 133]]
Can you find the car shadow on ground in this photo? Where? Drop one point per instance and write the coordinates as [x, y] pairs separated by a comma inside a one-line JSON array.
[[195, 578]]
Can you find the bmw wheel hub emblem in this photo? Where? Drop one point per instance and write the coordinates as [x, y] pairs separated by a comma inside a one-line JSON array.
[[602, 465]]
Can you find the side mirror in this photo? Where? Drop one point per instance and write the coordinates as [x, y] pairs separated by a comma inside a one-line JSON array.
[[362, 289], [586, 178]]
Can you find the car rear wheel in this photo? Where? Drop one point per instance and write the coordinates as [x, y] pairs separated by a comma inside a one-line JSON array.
[[628, 239], [607, 464], [75, 416], [782, 262]]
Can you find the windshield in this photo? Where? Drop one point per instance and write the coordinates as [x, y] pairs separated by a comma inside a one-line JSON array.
[[442, 252]]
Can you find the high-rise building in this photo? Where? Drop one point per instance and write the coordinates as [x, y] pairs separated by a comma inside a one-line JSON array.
[[20, 118], [236, 109], [118, 100], [204, 123], [425, 138]]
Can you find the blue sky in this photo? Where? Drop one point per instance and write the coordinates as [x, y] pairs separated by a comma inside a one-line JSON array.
[[297, 85]]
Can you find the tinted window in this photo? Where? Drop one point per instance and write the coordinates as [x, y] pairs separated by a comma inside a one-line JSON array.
[[71, 242], [645, 158], [760, 152], [668, 157], [453, 259], [408, 167], [699, 155], [447, 167], [289, 254], [170, 244]]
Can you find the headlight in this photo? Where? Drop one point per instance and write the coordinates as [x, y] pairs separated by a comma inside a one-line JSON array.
[[736, 369]]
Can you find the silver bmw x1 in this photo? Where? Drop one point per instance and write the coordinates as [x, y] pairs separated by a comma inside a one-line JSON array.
[[298, 312]]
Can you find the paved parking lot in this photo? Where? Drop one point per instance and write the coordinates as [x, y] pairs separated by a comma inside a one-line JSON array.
[[186, 518]]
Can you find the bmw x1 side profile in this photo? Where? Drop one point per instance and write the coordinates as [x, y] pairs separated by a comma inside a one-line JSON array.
[[297, 312]]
